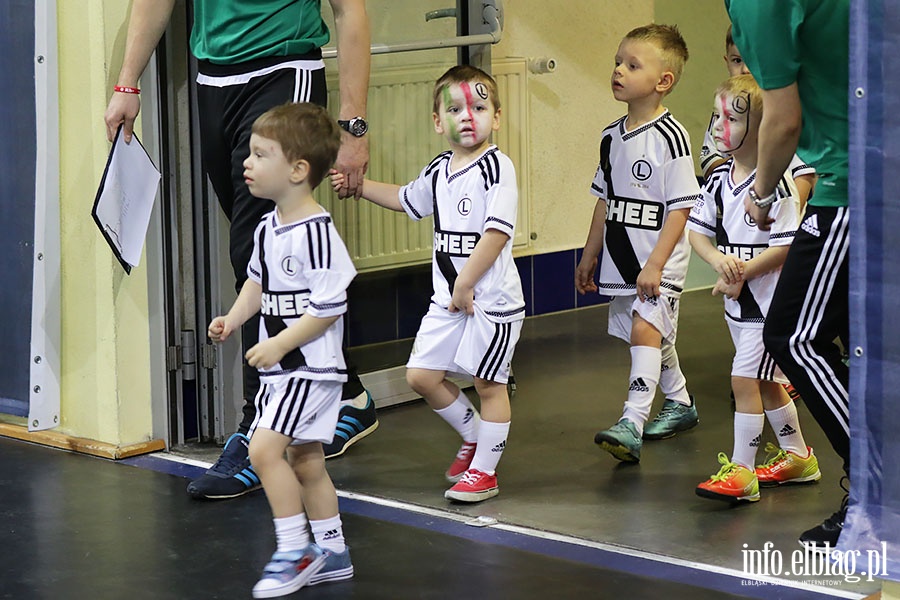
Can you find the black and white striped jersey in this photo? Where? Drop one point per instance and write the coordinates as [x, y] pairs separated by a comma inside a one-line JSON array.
[[720, 213], [709, 154], [643, 175], [302, 267], [466, 203]]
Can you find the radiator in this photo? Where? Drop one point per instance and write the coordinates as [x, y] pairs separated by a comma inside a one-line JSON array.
[[402, 141]]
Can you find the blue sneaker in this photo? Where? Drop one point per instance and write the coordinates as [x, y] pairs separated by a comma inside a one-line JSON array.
[[287, 572], [621, 440], [356, 420], [337, 568], [231, 476], [672, 418]]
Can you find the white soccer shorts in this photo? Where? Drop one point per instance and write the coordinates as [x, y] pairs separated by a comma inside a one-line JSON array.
[[458, 343], [750, 357], [661, 312], [302, 409]]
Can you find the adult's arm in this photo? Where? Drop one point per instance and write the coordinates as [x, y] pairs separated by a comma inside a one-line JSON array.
[[145, 28], [353, 56], [779, 132]]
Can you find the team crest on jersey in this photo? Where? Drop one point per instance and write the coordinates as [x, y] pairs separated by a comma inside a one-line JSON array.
[[289, 265], [465, 206], [749, 220], [641, 170]]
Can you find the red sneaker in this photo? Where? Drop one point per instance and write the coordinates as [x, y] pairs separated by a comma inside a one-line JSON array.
[[461, 462], [473, 486]]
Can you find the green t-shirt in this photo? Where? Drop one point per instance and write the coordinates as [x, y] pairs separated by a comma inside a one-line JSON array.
[[804, 41], [229, 31]]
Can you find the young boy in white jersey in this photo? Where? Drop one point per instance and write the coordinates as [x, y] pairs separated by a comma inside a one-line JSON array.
[[297, 277], [645, 185], [477, 309], [748, 262], [804, 175]]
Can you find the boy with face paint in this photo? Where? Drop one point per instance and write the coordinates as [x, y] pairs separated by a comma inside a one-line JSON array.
[[477, 309], [804, 175], [748, 262], [645, 187]]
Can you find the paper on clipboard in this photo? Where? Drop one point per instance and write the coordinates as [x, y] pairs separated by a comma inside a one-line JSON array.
[[125, 199]]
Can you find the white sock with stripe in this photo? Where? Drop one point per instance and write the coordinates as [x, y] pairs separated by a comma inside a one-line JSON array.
[[491, 443], [292, 533], [747, 435], [671, 379], [329, 534], [786, 425], [462, 417], [645, 369]]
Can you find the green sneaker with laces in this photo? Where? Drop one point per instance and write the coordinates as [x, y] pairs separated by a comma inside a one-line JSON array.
[[621, 440], [672, 418]]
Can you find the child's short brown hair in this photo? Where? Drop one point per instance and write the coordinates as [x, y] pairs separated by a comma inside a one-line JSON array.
[[668, 40], [744, 86], [306, 132], [463, 74]]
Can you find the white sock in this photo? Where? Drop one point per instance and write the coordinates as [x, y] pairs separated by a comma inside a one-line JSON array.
[[747, 435], [359, 402], [291, 533], [491, 443], [645, 370], [671, 379], [329, 534], [462, 417], [786, 425]]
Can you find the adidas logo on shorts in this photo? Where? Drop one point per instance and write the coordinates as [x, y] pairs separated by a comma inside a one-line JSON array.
[[331, 534], [499, 447], [638, 385], [811, 225], [311, 419], [469, 415], [786, 430], [756, 441]]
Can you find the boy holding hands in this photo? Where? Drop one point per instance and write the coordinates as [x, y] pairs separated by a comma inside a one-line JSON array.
[[748, 261], [297, 277], [477, 309], [645, 186]]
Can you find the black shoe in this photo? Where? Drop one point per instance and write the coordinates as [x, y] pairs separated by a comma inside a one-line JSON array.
[[353, 424], [230, 477], [824, 537]]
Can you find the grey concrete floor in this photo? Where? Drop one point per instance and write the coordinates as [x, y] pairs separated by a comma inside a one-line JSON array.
[[571, 381]]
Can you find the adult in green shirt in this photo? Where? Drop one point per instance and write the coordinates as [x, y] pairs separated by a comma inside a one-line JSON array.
[[798, 51], [253, 56]]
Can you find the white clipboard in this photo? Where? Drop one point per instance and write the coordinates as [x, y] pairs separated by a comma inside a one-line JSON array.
[[125, 199]]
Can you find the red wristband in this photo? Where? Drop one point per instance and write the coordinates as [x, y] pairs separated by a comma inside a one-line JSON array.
[[127, 90]]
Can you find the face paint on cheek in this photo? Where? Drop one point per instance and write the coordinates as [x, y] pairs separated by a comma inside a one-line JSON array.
[[449, 123], [725, 112]]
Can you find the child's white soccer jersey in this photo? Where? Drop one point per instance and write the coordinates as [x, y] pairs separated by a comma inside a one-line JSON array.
[[465, 204], [720, 213], [709, 154], [303, 267], [643, 174]]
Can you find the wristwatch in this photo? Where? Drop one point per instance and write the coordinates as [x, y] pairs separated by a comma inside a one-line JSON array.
[[761, 202], [356, 126]]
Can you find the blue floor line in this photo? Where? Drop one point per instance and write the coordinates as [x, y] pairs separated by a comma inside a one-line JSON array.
[[597, 557]]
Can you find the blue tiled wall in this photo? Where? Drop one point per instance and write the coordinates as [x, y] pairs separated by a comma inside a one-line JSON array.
[[388, 305]]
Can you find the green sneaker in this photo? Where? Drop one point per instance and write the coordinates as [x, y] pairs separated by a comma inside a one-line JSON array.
[[621, 440], [672, 418]]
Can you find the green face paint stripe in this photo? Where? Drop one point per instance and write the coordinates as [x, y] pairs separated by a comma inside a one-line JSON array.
[[449, 123]]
